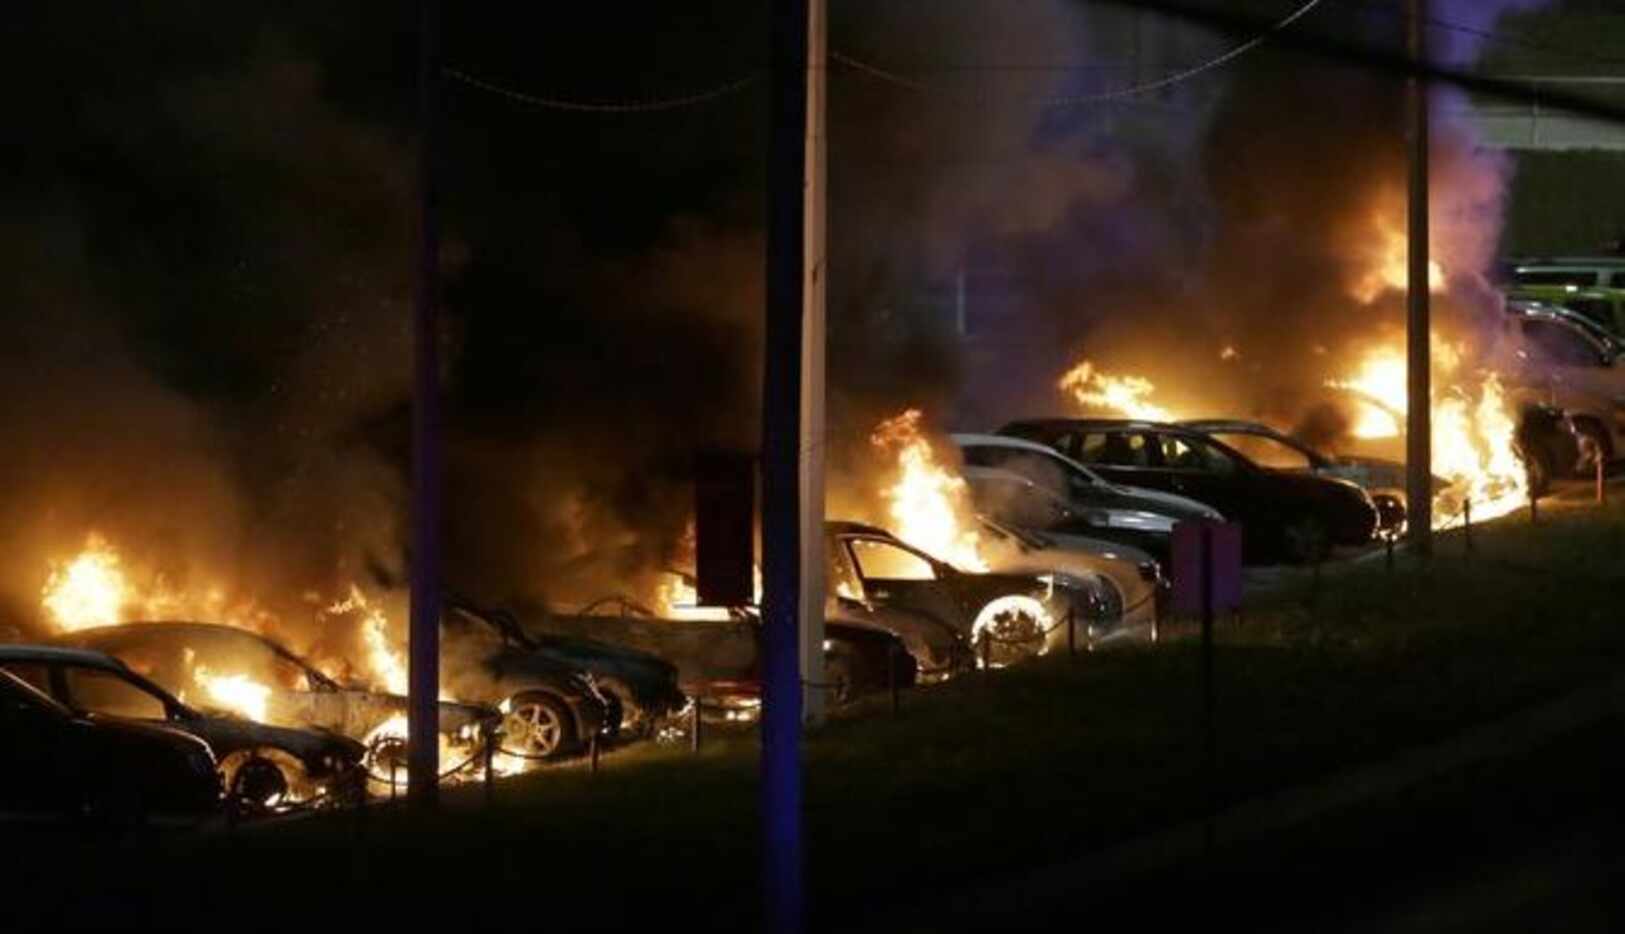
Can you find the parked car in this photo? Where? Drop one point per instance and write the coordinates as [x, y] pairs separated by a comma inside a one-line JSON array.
[[262, 767], [1548, 358], [286, 691], [1284, 515], [1594, 286], [719, 658], [1094, 506], [1016, 516], [1276, 450], [1004, 617], [65, 763], [524, 662]]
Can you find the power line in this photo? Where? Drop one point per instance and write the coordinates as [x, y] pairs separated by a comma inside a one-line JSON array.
[[1168, 80], [602, 106]]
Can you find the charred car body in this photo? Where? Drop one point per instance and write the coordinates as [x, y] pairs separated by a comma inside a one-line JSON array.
[[530, 674], [261, 766], [63, 763], [1285, 514], [183, 658]]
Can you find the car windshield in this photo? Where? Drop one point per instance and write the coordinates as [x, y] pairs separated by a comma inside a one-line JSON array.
[[94, 690], [198, 663], [1265, 450]]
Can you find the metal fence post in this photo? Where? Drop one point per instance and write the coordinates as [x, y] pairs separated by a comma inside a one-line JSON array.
[[1071, 633], [694, 726], [1602, 482], [592, 755], [1467, 523], [891, 677], [987, 653], [1388, 549], [490, 767], [394, 767]]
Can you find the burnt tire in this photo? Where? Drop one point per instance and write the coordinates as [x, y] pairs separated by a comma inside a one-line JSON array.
[[538, 725]]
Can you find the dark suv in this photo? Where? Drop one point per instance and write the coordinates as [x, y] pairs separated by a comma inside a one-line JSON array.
[[1285, 514]]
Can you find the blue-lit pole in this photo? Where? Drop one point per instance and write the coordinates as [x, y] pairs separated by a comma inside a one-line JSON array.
[[423, 635], [781, 482]]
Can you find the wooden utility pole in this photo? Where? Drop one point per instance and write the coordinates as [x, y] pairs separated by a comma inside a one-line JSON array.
[[813, 266], [423, 638], [1419, 389]]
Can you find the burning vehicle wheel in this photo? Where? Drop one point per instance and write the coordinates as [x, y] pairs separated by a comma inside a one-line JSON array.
[[386, 760], [1008, 630], [536, 726], [255, 783]]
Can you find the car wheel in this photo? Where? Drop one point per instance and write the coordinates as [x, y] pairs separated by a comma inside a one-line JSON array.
[[1008, 630], [254, 783], [1305, 541], [537, 726], [1594, 446]]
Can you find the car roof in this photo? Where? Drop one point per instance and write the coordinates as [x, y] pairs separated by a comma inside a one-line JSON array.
[[1238, 425], [1101, 423], [1003, 441], [59, 655], [1579, 262], [847, 527]]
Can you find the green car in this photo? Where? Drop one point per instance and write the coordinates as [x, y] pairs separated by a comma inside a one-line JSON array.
[[1591, 286]]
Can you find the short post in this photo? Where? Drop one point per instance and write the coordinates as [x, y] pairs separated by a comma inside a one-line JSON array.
[[1534, 509], [394, 767], [1388, 549], [1467, 523], [1209, 726], [592, 755], [490, 766], [1602, 478], [1071, 633], [987, 652], [891, 677], [694, 725]]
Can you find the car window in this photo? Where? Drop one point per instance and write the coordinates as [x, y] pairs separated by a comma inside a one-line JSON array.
[[1561, 346], [36, 674], [97, 691], [878, 560], [1575, 277], [842, 581], [1266, 451], [1125, 449], [1179, 452]]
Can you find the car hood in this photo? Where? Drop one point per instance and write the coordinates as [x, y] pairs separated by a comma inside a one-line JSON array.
[[1168, 504], [309, 744]]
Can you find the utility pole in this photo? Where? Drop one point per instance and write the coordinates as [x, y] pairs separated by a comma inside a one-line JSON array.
[[814, 267], [423, 638], [782, 443], [1419, 388]]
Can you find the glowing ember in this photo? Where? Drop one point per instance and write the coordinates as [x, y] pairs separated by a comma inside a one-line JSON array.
[[239, 694], [1096, 390], [87, 591], [1229, 353], [929, 503]]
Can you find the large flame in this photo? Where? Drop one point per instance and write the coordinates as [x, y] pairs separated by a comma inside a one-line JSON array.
[[237, 693], [1388, 267], [1128, 396], [929, 503], [88, 590], [1474, 427], [385, 662]]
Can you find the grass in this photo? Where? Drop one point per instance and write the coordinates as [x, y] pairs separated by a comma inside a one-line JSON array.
[[976, 779]]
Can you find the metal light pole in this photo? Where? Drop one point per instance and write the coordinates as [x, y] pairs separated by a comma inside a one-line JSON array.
[[814, 266], [423, 639], [1419, 408], [782, 518]]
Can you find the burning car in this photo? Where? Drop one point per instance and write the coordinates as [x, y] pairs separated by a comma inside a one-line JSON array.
[[1276, 450], [66, 763], [1014, 510], [263, 682], [262, 767], [532, 672], [1005, 617], [1551, 358], [1288, 515]]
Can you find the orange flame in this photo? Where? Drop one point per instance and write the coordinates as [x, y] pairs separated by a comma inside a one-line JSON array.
[[1095, 390], [87, 591], [1388, 266], [929, 504]]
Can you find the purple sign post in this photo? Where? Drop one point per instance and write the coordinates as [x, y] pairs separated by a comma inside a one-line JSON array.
[[1207, 577]]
